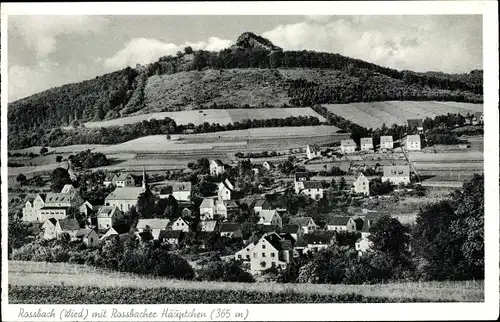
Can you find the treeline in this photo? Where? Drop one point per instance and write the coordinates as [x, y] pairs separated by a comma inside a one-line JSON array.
[[119, 134]]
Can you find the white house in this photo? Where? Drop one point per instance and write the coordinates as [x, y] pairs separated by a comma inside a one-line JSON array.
[[224, 208], [88, 236], [294, 230], [312, 151], [123, 232], [225, 191], [366, 144], [363, 244], [362, 185], [208, 226], [300, 178], [313, 189], [49, 228], [69, 226], [180, 224], [270, 251], [307, 224], [313, 242], [181, 191], [217, 167], [154, 225], [124, 198], [348, 146], [107, 216], [51, 205], [397, 174], [270, 217], [386, 143], [269, 166], [413, 142], [30, 211], [344, 223], [207, 209], [478, 118]]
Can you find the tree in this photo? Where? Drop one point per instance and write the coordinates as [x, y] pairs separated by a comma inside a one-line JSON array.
[[145, 205], [37, 181], [43, 150], [342, 184], [75, 213], [21, 179], [188, 50], [58, 178], [377, 187], [223, 271], [389, 236], [59, 158]]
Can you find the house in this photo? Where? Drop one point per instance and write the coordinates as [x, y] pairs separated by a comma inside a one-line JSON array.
[[313, 189], [181, 191], [186, 212], [51, 205], [207, 208], [170, 236], [363, 244], [312, 151], [226, 189], [372, 217], [300, 178], [30, 211], [208, 226], [217, 168], [69, 226], [225, 208], [49, 228], [89, 209], [386, 143], [478, 118], [107, 216], [181, 224], [270, 217], [123, 232], [269, 166], [153, 225], [124, 198], [361, 185], [366, 144], [294, 230], [306, 223], [269, 251], [348, 146], [417, 124], [413, 142], [397, 174], [230, 230], [123, 180], [338, 223], [315, 242], [88, 236], [262, 204]]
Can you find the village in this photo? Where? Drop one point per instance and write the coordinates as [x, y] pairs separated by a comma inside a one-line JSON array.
[[259, 230]]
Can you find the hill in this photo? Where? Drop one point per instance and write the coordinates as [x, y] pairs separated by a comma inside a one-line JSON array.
[[252, 73]]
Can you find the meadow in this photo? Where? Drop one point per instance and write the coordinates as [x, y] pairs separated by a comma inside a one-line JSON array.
[[374, 114], [75, 282]]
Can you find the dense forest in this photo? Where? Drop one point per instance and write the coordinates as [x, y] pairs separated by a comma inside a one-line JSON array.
[[123, 92]]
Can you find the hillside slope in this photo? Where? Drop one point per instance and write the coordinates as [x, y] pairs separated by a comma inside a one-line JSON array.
[[252, 73]]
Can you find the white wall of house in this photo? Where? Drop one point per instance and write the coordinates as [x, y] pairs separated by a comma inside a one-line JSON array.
[[180, 225], [224, 193], [105, 222], [45, 214], [313, 193], [182, 195], [397, 180], [264, 252], [206, 213], [347, 149]]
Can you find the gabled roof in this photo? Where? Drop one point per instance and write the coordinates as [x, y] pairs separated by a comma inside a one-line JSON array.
[[127, 193], [207, 203], [361, 177], [374, 216], [301, 221], [347, 142], [413, 138], [123, 177], [55, 197], [338, 221], [69, 224], [290, 229], [396, 171], [207, 225], [67, 188], [53, 221], [359, 223], [169, 234], [218, 162], [229, 227], [228, 184], [313, 148], [230, 203], [121, 228], [366, 141], [109, 177], [267, 228], [316, 238], [386, 138], [84, 233], [106, 211], [270, 164], [415, 122], [181, 219], [301, 175], [267, 214], [478, 115], [153, 223], [55, 208], [313, 185]]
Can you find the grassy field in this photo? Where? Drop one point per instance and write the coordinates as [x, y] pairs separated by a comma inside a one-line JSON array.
[[221, 116], [372, 115], [71, 275]]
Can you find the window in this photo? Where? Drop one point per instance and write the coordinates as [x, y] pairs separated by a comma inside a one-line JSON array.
[[273, 264], [263, 254], [263, 246], [273, 254], [254, 255], [248, 256]]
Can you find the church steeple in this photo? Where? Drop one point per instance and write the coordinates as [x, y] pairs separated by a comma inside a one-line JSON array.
[[144, 181]]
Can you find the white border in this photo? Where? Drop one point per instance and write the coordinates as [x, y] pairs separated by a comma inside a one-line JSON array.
[[314, 312]]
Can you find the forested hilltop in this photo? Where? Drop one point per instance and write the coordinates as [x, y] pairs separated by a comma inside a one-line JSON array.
[[253, 72]]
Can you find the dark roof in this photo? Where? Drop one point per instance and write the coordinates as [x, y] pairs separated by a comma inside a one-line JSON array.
[[146, 235], [229, 227], [230, 203], [219, 162], [366, 141], [69, 224], [54, 208], [291, 229], [313, 185], [478, 114], [267, 228], [121, 228], [83, 232], [415, 122], [374, 216], [359, 223], [338, 221], [396, 170], [302, 221], [167, 234], [318, 238], [53, 221], [348, 142], [300, 175]]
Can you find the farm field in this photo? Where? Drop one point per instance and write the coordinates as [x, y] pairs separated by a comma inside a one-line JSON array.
[[22, 275], [373, 115], [221, 116]]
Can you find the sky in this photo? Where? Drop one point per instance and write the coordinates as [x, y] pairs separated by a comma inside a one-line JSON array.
[[49, 51]]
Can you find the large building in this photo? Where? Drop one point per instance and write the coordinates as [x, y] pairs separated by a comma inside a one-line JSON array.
[[366, 144], [126, 197], [413, 143], [270, 251], [397, 174], [348, 146], [313, 189], [386, 143]]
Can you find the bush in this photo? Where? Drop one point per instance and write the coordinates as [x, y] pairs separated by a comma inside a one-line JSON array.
[[226, 272]]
